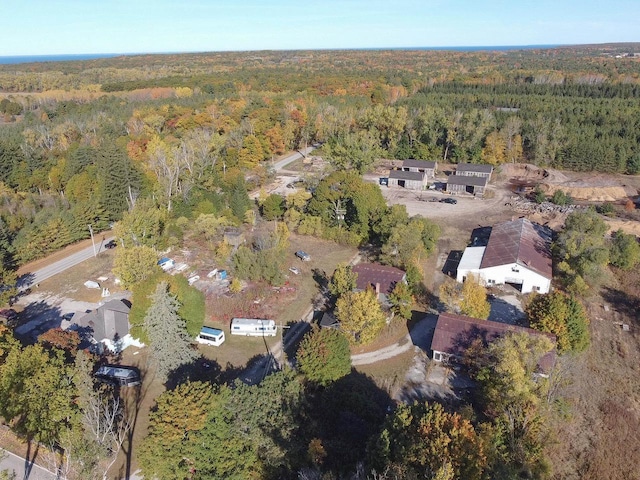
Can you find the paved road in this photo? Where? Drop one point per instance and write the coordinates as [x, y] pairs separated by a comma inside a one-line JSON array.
[[33, 278], [14, 463]]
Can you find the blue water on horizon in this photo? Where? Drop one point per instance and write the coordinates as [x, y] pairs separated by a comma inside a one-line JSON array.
[[16, 59]]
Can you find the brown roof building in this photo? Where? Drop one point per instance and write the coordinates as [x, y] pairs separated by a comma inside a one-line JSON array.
[[454, 333], [517, 252], [382, 278]]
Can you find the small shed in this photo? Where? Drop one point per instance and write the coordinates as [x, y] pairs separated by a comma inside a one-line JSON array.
[[474, 170], [410, 180], [466, 184], [420, 166]]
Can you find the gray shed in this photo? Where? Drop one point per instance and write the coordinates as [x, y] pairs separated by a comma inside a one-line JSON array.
[[474, 170], [410, 180], [420, 166], [464, 184]]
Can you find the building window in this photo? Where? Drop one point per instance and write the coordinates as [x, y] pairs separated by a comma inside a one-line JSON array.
[[491, 282], [536, 288], [515, 269], [437, 356]]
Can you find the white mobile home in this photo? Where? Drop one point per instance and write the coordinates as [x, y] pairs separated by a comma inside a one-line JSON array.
[[254, 327], [210, 336]]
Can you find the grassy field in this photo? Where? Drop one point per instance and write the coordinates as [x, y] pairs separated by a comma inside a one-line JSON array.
[[70, 283]]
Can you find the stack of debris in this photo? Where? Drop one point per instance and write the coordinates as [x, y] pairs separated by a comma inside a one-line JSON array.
[[523, 205]]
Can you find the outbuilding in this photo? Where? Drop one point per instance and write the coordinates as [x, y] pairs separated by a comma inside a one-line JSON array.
[[410, 180], [420, 166], [517, 253], [474, 170], [466, 184]]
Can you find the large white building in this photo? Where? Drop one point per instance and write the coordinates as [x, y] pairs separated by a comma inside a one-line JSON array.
[[518, 253]]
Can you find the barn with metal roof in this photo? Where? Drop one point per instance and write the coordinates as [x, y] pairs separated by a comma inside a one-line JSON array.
[[517, 253]]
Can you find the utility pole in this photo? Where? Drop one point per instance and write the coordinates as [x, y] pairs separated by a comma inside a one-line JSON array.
[[95, 254]]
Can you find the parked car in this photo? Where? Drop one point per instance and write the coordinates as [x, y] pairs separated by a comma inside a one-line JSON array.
[[305, 257], [118, 375], [452, 201], [294, 270], [110, 244]]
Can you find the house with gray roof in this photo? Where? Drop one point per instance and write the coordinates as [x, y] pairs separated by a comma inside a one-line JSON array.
[[108, 324], [517, 253]]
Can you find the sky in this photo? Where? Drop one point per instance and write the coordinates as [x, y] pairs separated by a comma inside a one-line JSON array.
[[55, 27]]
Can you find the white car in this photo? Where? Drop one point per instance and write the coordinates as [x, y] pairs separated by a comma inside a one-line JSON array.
[[294, 270]]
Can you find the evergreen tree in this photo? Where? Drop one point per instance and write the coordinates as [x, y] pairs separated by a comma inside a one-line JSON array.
[[170, 345], [118, 180]]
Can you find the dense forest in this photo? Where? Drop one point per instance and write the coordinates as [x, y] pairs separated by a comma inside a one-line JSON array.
[[81, 141]]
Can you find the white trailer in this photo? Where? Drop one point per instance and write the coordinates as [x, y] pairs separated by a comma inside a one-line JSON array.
[[210, 336], [254, 327]]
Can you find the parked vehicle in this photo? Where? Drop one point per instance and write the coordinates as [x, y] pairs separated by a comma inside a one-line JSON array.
[[110, 244], [166, 264], [253, 327], [118, 375], [305, 257], [294, 270], [452, 201], [210, 336]]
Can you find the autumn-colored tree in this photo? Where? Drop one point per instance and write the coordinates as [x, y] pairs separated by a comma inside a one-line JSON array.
[[494, 149], [166, 451], [513, 396], [427, 440], [67, 340], [135, 264], [562, 315], [324, 356], [401, 300], [470, 298], [474, 301], [251, 152], [361, 317], [343, 280]]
